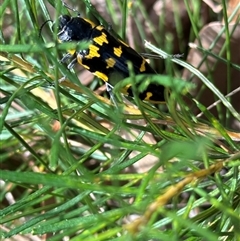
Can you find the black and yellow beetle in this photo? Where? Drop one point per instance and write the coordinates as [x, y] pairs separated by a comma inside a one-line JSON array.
[[106, 56]]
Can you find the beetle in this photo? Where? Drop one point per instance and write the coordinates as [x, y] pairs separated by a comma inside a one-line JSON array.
[[106, 56]]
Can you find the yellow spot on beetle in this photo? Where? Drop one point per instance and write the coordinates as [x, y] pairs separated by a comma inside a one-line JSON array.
[[101, 76], [100, 27], [148, 96], [93, 52], [72, 51], [124, 43], [143, 67], [118, 51], [79, 60], [125, 89], [101, 39], [93, 25], [110, 62]]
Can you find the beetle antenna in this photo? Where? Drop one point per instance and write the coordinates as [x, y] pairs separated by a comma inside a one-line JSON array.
[[41, 28]]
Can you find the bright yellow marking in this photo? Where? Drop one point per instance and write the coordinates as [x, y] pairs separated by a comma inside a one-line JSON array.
[[72, 51], [101, 39], [93, 25], [79, 60], [110, 62], [101, 76], [148, 96], [118, 51], [143, 67], [125, 89], [100, 27], [123, 43], [93, 52]]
